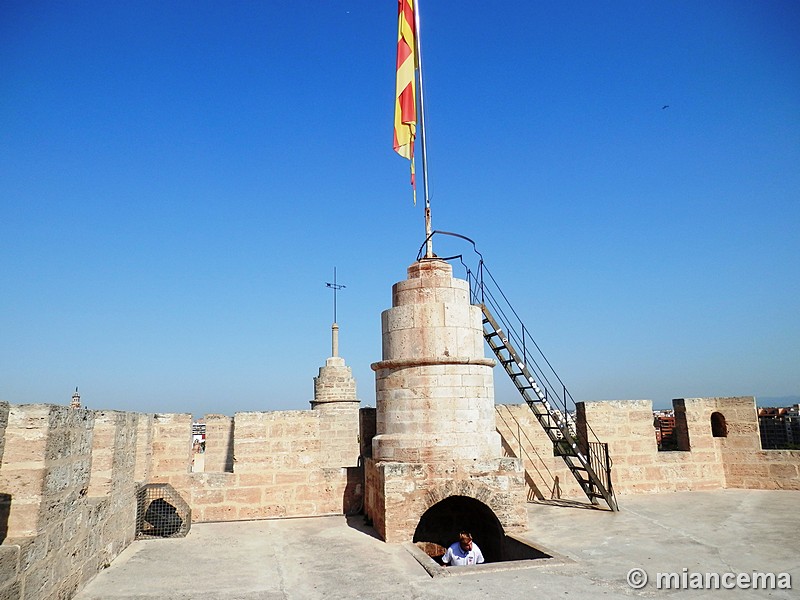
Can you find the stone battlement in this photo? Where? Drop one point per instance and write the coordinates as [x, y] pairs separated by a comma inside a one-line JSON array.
[[68, 477]]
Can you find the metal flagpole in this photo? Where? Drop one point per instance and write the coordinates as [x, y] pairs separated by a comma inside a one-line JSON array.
[[429, 246]]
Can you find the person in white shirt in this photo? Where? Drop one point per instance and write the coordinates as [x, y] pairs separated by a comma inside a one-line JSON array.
[[463, 552]]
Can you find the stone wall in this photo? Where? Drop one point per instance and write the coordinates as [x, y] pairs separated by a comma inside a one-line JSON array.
[[706, 462], [746, 464], [68, 477], [4, 408], [546, 475], [284, 463], [219, 444], [67, 482], [638, 466]]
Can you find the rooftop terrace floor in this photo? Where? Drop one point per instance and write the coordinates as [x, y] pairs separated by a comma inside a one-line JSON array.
[[726, 531]]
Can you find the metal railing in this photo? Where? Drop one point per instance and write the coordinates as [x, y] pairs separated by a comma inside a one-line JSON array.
[[600, 461], [550, 389]]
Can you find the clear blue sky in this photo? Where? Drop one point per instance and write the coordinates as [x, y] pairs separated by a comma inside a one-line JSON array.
[[179, 179]]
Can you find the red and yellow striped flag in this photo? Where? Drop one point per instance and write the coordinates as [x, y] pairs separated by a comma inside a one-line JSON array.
[[405, 104]]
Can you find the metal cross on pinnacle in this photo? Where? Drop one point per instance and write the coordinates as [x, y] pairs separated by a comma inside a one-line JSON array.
[[335, 287]]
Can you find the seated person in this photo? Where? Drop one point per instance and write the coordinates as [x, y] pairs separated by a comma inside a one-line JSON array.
[[463, 552]]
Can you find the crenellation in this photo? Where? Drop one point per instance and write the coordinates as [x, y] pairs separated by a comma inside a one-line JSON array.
[[51, 515]]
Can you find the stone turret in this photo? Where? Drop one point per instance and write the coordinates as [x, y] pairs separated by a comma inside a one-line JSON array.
[[76, 400], [337, 405], [436, 457], [335, 387], [435, 390]]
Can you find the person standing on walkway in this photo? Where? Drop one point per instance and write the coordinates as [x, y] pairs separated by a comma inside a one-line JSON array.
[[463, 552]]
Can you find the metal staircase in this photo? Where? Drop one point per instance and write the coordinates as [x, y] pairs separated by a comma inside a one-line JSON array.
[[587, 460], [539, 385]]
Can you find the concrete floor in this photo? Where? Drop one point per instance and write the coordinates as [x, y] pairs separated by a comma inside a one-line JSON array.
[[738, 531]]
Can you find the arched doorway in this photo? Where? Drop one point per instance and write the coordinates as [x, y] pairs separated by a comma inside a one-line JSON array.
[[443, 521]]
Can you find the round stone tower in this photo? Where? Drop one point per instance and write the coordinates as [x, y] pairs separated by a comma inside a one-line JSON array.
[[435, 391], [435, 442]]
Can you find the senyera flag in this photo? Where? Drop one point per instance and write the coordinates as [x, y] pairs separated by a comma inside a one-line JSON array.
[[405, 104]]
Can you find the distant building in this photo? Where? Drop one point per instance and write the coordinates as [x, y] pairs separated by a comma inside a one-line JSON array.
[[199, 433], [664, 424], [76, 400], [779, 427]]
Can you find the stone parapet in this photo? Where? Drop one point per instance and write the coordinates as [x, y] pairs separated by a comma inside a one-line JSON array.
[[68, 497], [276, 464], [68, 477], [4, 409], [746, 465], [172, 444], [144, 447], [10, 576], [703, 461]]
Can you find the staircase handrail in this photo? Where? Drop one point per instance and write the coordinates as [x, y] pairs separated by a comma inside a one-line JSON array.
[[532, 354]]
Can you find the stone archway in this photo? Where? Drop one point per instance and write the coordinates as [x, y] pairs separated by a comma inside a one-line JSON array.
[[442, 522]]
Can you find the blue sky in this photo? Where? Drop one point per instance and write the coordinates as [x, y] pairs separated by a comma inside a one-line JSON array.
[[178, 181]]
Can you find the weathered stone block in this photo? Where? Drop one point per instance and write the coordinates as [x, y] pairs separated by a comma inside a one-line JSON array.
[[247, 496], [783, 470], [9, 564], [226, 512]]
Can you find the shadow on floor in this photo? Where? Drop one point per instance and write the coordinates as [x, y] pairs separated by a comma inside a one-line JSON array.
[[571, 504], [359, 523]]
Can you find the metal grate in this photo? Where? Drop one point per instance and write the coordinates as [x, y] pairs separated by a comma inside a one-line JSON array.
[[161, 512]]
